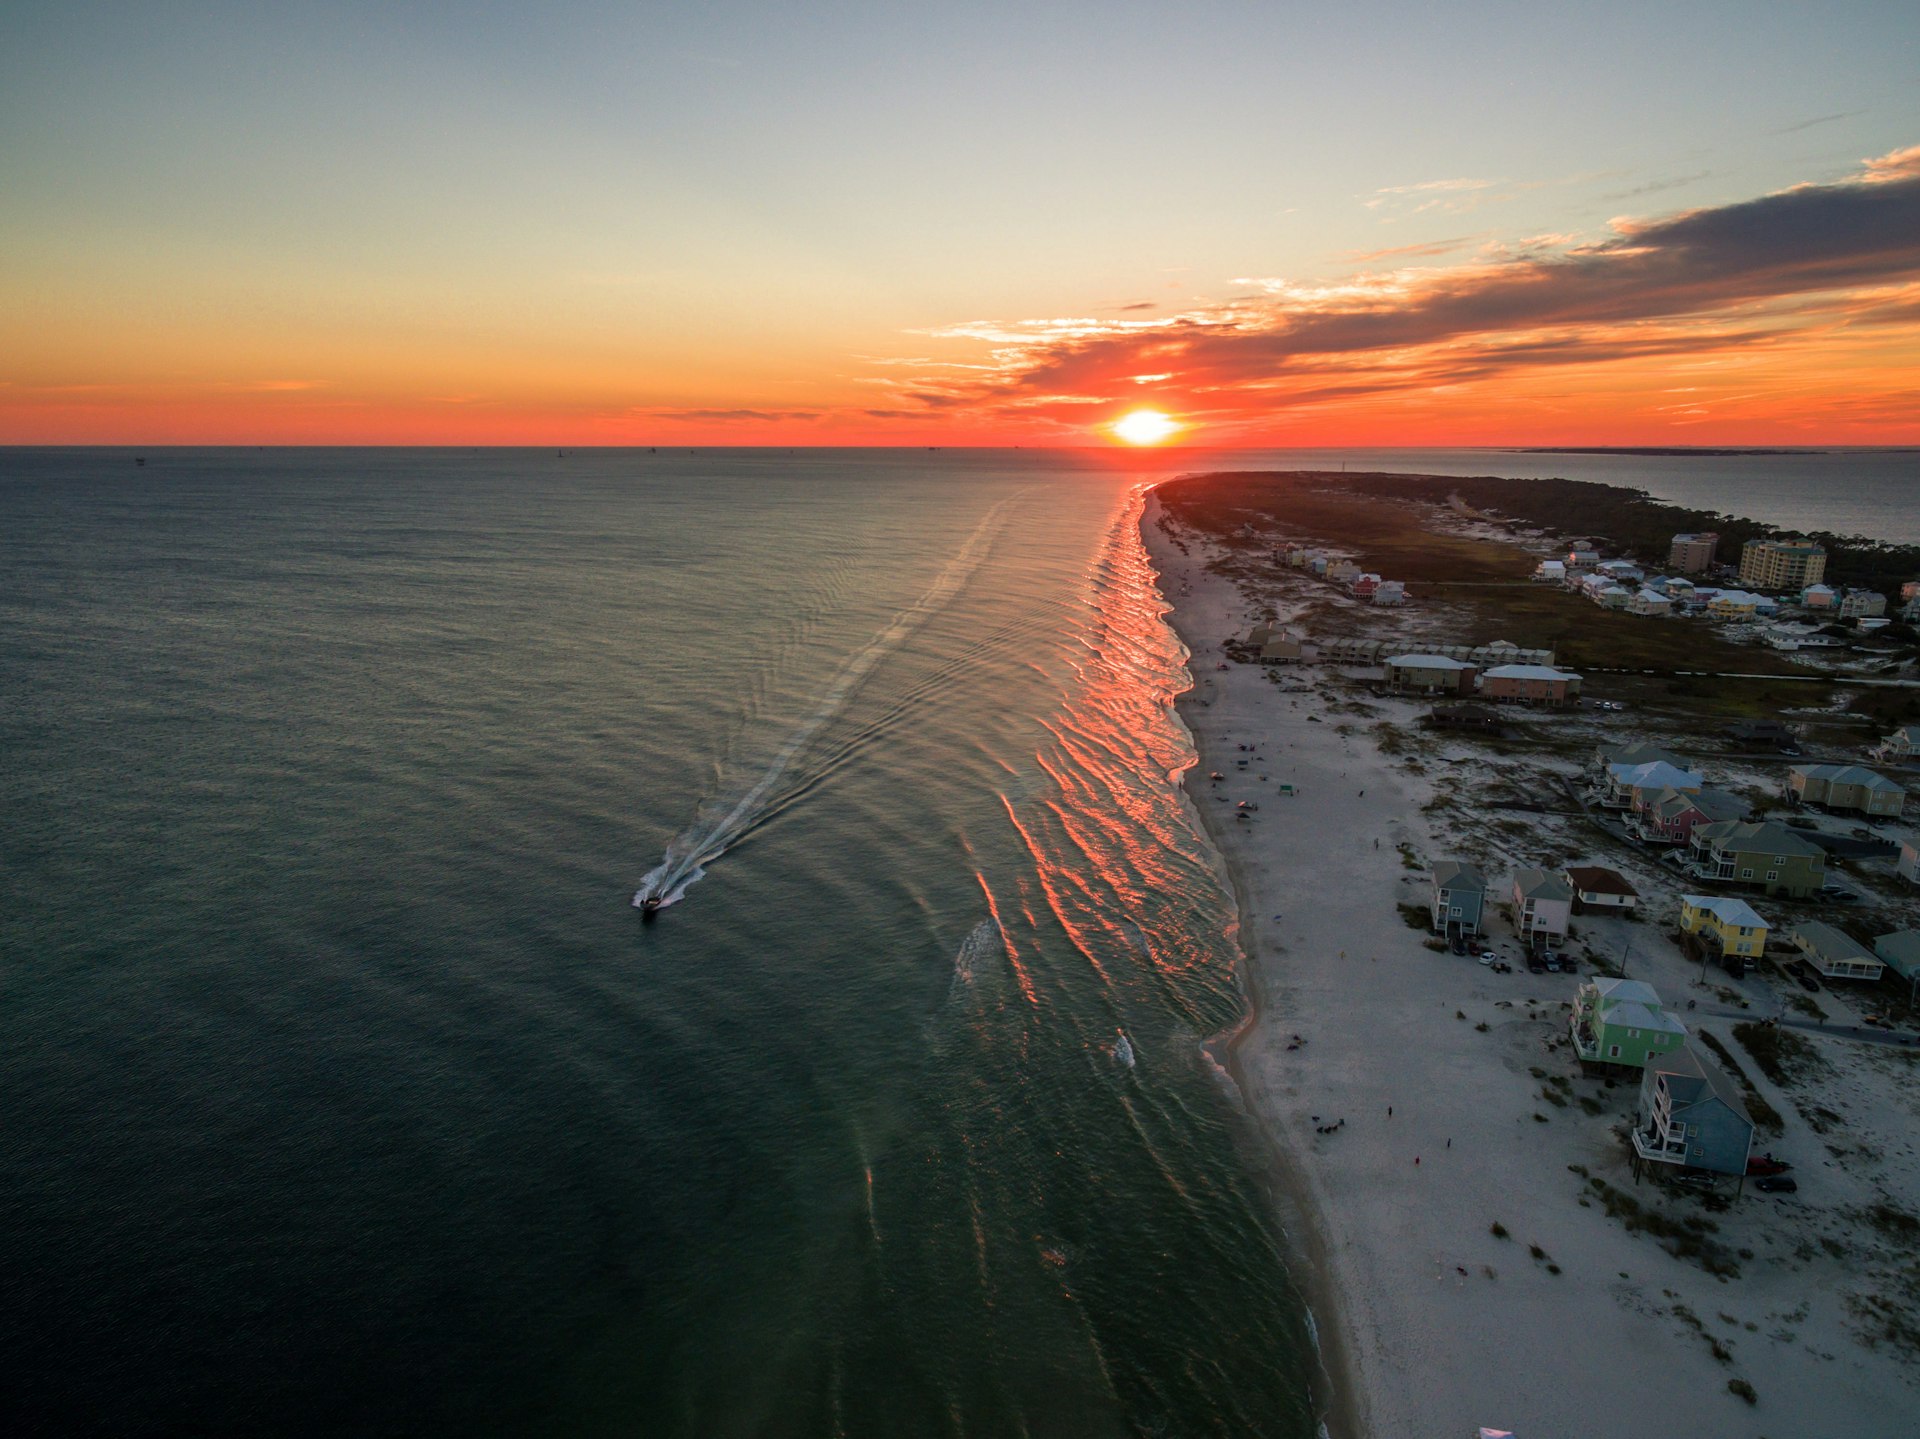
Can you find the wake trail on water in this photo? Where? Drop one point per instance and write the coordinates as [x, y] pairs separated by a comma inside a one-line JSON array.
[[720, 826]]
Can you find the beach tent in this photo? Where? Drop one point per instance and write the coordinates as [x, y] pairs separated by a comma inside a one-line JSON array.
[[1496, 1434]]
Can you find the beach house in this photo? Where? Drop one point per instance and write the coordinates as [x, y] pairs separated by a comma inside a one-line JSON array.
[[1846, 786], [1674, 814], [1542, 905], [1550, 571], [1861, 604], [1902, 744], [1834, 954], [1907, 866], [1633, 753], [1390, 593], [1733, 605], [1636, 786], [1597, 888], [1284, 649], [1529, 684], [1690, 1116], [1900, 952], [1728, 926], [1622, 1021], [1765, 854], [1459, 897], [1430, 674], [1651, 603], [1763, 732]]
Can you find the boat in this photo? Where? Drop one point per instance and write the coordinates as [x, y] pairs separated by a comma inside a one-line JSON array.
[[650, 906]]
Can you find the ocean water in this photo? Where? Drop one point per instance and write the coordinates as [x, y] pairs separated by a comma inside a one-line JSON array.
[[346, 1091]]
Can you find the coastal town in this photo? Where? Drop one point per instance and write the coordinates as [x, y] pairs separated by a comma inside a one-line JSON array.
[[1655, 959]]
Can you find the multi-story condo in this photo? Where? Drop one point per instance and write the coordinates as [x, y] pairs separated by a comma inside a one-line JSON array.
[[1692, 553], [1788, 564]]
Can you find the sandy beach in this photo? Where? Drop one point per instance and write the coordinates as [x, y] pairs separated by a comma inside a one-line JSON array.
[[1411, 1100]]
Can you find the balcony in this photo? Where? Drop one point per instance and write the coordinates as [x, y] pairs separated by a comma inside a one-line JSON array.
[[1659, 1145]]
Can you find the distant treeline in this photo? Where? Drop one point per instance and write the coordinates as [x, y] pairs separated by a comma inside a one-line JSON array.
[[1634, 523]]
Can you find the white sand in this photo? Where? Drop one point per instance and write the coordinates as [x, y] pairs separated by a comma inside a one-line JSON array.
[[1432, 1324]]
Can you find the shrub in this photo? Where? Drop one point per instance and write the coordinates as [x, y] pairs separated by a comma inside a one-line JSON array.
[[1743, 1389]]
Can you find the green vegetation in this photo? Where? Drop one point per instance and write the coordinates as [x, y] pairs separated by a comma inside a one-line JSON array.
[[1486, 581], [1896, 1224], [1743, 1389], [1498, 1230], [1416, 916], [1782, 1055], [1682, 1238], [1636, 523]]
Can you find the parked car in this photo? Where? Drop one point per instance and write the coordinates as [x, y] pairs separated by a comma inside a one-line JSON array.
[[1808, 981], [1766, 1165], [1777, 1184], [1536, 965], [1459, 945], [1836, 895]]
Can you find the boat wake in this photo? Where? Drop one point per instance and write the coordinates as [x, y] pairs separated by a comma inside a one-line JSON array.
[[721, 824], [982, 943]]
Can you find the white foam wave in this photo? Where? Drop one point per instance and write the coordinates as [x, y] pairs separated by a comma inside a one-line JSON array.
[[719, 826]]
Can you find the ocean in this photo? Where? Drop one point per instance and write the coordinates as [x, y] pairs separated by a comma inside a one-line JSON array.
[[347, 1091]]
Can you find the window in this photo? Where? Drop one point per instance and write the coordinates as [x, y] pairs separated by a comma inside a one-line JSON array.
[[1746, 874], [1773, 874], [1614, 1052]]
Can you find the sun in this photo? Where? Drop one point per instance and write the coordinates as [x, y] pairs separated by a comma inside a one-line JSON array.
[[1145, 427]]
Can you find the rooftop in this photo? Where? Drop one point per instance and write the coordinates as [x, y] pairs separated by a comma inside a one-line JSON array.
[[1757, 836], [1529, 672], [1727, 911], [1594, 879]]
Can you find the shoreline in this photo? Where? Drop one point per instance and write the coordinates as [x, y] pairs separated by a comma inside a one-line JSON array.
[[1339, 1398], [1455, 1273]]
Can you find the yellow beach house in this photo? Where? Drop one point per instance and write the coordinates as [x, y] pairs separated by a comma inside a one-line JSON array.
[[1731, 925]]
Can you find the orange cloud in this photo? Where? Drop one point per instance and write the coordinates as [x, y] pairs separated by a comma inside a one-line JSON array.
[[1785, 287]]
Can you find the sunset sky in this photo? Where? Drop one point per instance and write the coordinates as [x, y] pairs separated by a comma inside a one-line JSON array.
[[751, 223]]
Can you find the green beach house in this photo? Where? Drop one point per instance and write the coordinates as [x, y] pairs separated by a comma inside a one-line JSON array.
[[1622, 1021]]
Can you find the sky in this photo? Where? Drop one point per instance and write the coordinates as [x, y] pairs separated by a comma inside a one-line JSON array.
[[898, 223]]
